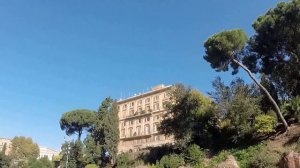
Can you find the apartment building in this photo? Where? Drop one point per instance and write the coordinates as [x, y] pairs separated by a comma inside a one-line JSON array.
[[139, 118], [7, 142], [47, 152]]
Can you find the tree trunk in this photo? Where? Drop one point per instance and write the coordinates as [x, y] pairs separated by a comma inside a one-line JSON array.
[[79, 135], [277, 110]]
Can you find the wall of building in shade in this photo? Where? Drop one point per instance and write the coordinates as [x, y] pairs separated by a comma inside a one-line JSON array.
[[139, 118]]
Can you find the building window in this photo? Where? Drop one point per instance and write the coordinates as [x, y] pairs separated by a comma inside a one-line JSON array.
[[147, 129], [155, 106], [118, 108], [131, 104], [125, 107], [156, 138], [131, 112], [155, 126], [138, 130], [139, 120], [140, 102], [147, 119], [123, 132], [148, 108], [131, 122], [130, 131], [155, 98], [139, 109], [147, 100]]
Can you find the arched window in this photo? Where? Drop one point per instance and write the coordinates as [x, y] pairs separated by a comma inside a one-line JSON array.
[[147, 129]]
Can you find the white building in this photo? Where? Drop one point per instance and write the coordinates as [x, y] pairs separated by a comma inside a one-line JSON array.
[[44, 151]]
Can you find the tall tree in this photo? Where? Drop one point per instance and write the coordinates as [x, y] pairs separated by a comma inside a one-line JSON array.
[[24, 148], [189, 116], [224, 50], [77, 121], [237, 107], [274, 48], [106, 130]]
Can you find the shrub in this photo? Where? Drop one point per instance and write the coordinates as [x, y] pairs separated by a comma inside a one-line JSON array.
[[265, 124], [123, 160], [264, 159], [170, 161], [220, 157], [91, 166], [292, 108], [242, 156], [194, 154]]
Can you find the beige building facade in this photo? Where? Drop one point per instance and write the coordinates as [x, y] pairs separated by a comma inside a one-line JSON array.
[[47, 152], [139, 118], [6, 141]]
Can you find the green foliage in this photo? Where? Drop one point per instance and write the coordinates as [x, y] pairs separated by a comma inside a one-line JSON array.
[[92, 151], [195, 155], [24, 148], [275, 49], [220, 157], [124, 160], [265, 124], [263, 159], [170, 161], [237, 106], [40, 163], [4, 160], [191, 116], [291, 108], [222, 47], [106, 130], [91, 166], [77, 121], [72, 151], [243, 155]]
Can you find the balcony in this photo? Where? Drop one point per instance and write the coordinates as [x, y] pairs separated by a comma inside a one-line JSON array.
[[135, 135], [138, 114]]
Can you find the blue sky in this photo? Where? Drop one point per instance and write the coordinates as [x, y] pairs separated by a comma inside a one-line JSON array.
[[57, 56]]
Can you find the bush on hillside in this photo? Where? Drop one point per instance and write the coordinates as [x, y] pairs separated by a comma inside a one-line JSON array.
[[291, 108], [123, 161], [194, 154], [91, 166], [264, 159], [265, 124], [170, 161]]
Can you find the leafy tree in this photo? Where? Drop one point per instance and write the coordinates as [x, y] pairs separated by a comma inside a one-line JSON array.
[[274, 48], [225, 49], [92, 151], [106, 130], [77, 121], [191, 116], [24, 148], [237, 106], [72, 155]]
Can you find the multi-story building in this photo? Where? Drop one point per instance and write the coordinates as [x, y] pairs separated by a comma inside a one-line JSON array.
[[139, 118], [7, 142], [47, 152]]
